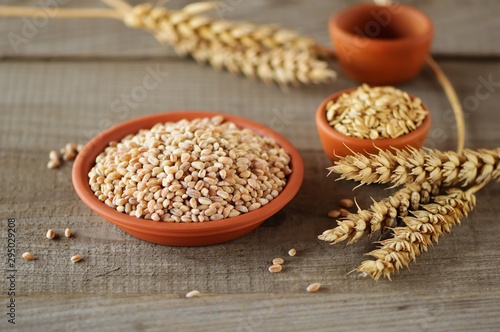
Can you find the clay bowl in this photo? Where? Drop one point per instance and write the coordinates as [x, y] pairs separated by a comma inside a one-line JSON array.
[[337, 145], [381, 45], [182, 234]]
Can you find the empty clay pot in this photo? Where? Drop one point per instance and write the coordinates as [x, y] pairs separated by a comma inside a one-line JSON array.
[[381, 45]]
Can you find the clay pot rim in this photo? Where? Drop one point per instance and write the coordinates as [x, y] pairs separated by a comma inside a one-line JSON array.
[[86, 159], [347, 36], [349, 141]]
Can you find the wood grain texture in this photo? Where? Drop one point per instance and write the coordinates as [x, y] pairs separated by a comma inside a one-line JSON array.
[[65, 86], [47, 104], [463, 28], [332, 311]]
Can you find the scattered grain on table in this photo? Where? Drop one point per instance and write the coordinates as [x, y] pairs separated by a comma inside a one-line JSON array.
[[193, 293], [76, 258], [334, 213], [314, 287], [275, 268], [346, 203], [278, 260], [28, 256], [50, 234], [344, 212]]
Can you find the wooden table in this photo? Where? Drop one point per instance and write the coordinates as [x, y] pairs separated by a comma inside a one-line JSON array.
[[58, 87]]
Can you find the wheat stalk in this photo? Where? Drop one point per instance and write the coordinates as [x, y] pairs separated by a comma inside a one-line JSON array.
[[267, 52], [382, 214], [425, 173], [413, 165], [422, 230]]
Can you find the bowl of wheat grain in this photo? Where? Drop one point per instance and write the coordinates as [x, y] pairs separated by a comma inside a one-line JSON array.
[[188, 178], [366, 119]]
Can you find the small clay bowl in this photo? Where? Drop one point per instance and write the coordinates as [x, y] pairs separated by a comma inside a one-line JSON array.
[[337, 145], [381, 45], [182, 234]]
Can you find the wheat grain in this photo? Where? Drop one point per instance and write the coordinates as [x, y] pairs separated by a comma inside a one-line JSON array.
[[50, 234], [278, 260], [334, 213], [54, 161], [51, 164], [375, 113], [413, 165], [76, 258], [344, 212], [68, 152], [346, 203], [28, 256], [422, 229], [193, 293], [314, 287], [158, 173], [275, 268]]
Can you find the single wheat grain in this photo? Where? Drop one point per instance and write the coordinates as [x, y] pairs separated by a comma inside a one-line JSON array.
[[314, 287], [28, 256], [275, 268], [193, 293], [50, 234], [76, 258], [278, 260]]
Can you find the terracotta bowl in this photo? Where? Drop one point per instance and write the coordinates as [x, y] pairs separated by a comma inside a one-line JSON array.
[[381, 45], [182, 234], [337, 145]]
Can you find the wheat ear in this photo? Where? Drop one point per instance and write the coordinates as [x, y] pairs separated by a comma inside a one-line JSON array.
[[422, 230], [270, 53], [382, 214], [267, 52], [413, 165]]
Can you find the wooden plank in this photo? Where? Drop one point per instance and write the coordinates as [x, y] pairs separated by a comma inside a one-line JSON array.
[[67, 91], [47, 104], [463, 28], [337, 310]]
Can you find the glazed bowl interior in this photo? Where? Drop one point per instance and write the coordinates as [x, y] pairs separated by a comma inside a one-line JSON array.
[[182, 234], [362, 22], [337, 145], [381, 45]]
